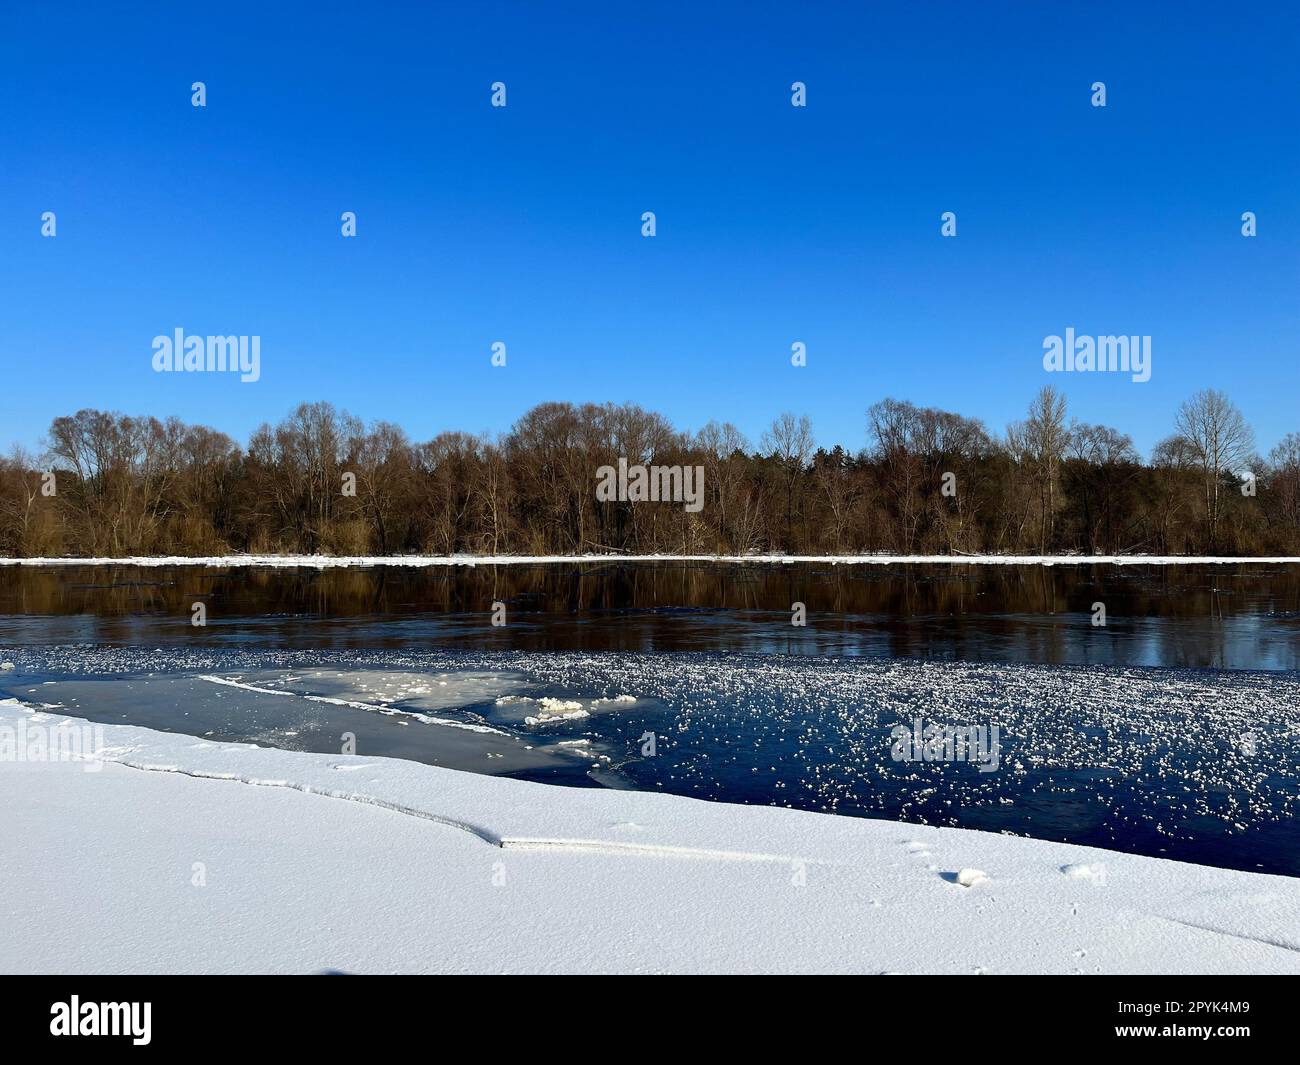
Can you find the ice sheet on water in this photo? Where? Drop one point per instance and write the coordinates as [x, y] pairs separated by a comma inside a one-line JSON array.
[[1195, 764], [399, 689], [425, 716]]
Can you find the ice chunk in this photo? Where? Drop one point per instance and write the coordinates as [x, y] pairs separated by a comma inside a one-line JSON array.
[[556, 710]]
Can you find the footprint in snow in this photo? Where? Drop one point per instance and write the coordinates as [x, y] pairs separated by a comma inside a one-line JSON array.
[[1096, 873], [966, 878]]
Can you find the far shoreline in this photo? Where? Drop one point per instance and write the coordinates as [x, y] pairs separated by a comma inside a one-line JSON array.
[[431, 561]]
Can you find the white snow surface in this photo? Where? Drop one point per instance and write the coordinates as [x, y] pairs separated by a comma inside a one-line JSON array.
[[338, 561], [315, 863]]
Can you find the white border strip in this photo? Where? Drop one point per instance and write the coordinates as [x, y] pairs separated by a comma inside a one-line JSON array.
[[423, 561]]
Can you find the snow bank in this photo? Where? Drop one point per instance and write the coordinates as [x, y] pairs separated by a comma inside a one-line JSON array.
[[169, 861], [344, 561]]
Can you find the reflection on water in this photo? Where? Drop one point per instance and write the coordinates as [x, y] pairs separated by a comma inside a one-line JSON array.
[[1228, 617]]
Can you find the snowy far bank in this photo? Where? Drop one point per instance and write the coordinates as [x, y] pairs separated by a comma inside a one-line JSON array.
[[343, 561], [167, 860]]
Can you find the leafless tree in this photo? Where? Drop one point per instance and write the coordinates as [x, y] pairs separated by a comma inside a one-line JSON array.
[[1221, 444], [789, 443], [129, 485], [1043, 438]]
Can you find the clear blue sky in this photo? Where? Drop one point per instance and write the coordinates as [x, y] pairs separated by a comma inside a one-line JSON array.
[[522, 224]]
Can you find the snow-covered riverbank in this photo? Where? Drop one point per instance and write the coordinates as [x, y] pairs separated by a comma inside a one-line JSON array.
[[344, 561], [169, 859]]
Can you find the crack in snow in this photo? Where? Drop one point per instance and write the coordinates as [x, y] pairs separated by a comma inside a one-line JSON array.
[[482, 834], [1231, 935]]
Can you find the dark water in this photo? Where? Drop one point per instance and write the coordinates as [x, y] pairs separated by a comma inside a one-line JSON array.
[[1174, 730], [1218, 617]]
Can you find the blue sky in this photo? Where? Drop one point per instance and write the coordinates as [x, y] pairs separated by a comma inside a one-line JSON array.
[[522, 224]]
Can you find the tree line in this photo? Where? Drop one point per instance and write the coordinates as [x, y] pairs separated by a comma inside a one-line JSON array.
[[928, 482]]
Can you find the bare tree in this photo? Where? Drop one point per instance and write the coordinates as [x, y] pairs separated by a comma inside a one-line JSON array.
[[1284, 461], [1221, 444], [1044, 438], [724, 448], [1106, 464], [130, 485], [382, 461], [20, 503], [789, 443], [894, 428]]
